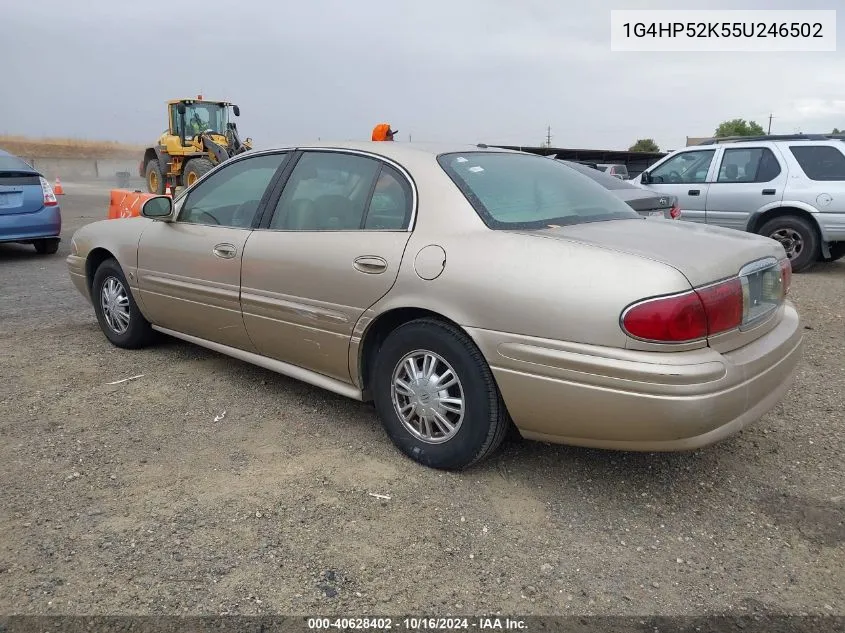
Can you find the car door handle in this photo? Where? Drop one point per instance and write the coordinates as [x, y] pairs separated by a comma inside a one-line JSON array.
[[370, 264], [769, 192], [694, 192], [225, 251]]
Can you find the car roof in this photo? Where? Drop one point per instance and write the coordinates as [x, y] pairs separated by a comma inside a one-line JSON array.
[[394, 149]]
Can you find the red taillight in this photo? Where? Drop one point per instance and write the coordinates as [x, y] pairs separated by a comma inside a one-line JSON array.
[[689, 316], [50, 199], [786, 275], [669, 319], [675, 212], [723, 304]]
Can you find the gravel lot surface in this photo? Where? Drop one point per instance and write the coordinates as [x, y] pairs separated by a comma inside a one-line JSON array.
[[211, 486]]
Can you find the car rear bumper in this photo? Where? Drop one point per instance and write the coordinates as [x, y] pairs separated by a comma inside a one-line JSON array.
[[644, 401], [18, 227]]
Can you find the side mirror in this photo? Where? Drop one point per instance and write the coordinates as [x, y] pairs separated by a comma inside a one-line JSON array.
[[158, 208], [236, 110], [645, 178], [180, 108]]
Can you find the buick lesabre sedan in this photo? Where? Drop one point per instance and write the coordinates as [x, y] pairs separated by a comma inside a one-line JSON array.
[[461, 290]]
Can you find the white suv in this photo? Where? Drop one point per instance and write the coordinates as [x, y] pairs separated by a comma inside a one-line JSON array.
[[789, 188]]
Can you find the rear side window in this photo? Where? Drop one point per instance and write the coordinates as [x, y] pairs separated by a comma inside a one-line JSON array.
[[524, 191], [820, 162], [755, 164]]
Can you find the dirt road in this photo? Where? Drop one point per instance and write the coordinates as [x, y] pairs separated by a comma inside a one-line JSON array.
[[211, 486]]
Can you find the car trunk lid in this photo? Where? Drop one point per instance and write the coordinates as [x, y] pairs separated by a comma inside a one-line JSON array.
[[647, 203], [685, 246], [20, 192], [682, 245]]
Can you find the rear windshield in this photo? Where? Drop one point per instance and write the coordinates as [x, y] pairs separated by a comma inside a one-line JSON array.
[[13, 163], [601, 177], [525, 191]]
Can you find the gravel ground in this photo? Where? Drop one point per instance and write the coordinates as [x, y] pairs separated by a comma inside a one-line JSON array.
[[209, 486]]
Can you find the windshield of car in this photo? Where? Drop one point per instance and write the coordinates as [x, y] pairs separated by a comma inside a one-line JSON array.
[[524, 191], [603, 178]]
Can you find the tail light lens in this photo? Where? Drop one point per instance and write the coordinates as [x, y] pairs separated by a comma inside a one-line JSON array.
[[690, 316], [675, 212], [50, 199], [741, 301]]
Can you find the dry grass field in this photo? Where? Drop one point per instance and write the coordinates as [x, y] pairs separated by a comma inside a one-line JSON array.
[[67, 148]]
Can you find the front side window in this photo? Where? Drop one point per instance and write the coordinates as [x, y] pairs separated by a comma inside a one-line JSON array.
[[231, 195], [326, 191], [820, 162], [519, 191], [685, 168], [751, 164]]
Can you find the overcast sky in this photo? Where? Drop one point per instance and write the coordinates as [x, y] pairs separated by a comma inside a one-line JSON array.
[[496, 71]]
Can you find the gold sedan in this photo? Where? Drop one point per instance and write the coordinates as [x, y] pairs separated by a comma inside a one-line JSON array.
[[461, 290]]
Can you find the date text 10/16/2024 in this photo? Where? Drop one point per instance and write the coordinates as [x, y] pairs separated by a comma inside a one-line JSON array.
[[418, 624]]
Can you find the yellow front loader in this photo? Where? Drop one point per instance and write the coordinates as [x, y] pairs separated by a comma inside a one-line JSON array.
[[199, 136]]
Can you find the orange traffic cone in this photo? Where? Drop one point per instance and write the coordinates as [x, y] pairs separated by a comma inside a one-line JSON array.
[[58, 188], [168, 190]]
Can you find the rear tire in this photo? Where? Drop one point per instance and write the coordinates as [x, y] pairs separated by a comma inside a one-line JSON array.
[[46, 247], [117, 313], [439, 351], [799, 240], [155, 177], [196, 169]]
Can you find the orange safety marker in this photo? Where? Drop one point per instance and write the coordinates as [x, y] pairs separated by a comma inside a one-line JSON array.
[[58, 188], [126, 204]]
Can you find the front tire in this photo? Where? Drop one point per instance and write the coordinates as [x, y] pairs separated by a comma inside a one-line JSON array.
[[436, 396], [799, 240], [117, 313], [196, 169]]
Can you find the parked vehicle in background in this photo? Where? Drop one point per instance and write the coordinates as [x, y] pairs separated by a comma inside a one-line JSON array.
[[789, 188], [614, 169], [644, 201], [29, 210], [462, 290]]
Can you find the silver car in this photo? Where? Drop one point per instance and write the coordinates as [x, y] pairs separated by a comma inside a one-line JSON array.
[[788, 188]]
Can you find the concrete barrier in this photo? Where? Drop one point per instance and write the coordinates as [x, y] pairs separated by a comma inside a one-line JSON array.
[[121, 173], [66, 168]]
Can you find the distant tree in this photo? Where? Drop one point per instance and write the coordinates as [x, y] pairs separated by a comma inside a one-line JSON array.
[[836, 130], [739, 127], [644, 145]]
